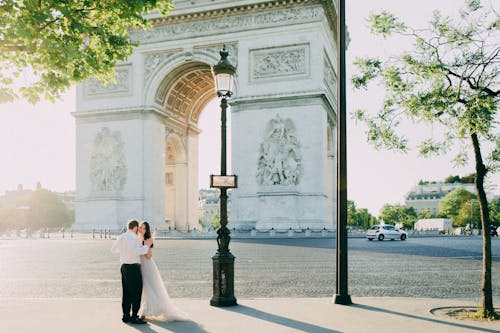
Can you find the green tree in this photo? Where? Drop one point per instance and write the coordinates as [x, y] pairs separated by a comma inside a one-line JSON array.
[[495, 211], [392, 214], [468, 213], [448, 79], [453, 201], [12, 217], [452, 179], [365, 218], [351, 213], [469, 179], [60, 42], [46, 210], [425, 214], [215, 221], [359, 217]]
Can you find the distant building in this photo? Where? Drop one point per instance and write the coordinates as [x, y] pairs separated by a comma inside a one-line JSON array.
[[209, 205], [426, 196], [19, 197], [433, 224], [15, 197], [68, 199]]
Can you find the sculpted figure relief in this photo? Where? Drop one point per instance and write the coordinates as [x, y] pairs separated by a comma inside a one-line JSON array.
[[280, 63], [108, 170], [279, 161], [95, 87]]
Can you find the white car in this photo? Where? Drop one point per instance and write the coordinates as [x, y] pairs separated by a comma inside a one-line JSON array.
[[382, 232]]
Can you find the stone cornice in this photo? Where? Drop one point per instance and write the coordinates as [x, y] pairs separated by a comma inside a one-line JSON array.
[[298, 98], [229, 11], [118, 112], [236, 18]]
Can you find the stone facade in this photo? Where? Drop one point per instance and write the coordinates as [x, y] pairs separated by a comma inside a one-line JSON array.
[[427, 196], [283, 118]]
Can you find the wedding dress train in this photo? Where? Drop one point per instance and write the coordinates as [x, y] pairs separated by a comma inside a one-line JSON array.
[[156, 304]]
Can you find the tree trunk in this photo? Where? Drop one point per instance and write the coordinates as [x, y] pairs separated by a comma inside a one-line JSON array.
[[486, 288]]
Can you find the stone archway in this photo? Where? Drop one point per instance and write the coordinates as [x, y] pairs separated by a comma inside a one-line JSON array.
[[285, 82], [175, 174], [183, 94]]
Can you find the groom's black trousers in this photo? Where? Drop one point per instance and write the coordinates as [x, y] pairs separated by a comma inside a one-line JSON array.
[[132, 289]]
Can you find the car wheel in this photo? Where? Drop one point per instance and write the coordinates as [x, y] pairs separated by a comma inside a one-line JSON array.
[[403, 237], [370, 239], [380, 237]]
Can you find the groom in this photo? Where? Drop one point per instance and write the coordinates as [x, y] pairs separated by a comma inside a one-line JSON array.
[[130, 249]]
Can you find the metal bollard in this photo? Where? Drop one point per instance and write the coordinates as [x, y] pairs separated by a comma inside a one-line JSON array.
[[62, 233], [93, 233]]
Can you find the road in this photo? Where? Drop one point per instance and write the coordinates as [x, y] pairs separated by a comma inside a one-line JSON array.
[[419, 267]]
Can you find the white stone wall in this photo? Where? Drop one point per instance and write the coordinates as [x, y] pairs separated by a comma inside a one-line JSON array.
[[284, 55]]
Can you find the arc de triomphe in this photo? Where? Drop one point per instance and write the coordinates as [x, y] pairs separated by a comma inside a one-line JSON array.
[[137, 139]]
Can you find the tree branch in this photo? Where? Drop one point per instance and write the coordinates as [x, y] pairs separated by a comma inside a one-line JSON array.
[[487, 90]]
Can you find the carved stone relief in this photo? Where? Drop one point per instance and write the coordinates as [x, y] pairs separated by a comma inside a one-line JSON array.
[[153, 61], [121, 85], [279, 159], [329, 76], [108, 168], [286, 16], [279, 61]]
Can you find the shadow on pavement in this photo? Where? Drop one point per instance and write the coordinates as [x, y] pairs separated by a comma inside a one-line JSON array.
[[292, 323], [173, 326], [435, 321]]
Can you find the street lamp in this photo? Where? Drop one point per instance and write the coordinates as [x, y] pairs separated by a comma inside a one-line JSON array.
[[223, 260]]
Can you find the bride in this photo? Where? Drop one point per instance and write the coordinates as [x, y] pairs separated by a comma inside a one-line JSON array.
[[156, 304]]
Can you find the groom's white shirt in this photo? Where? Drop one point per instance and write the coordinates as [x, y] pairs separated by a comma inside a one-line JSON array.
[[129, 247]]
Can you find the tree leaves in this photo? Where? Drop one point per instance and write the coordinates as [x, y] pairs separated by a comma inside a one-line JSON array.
[[385, 24], [58, 43], [450, 78]]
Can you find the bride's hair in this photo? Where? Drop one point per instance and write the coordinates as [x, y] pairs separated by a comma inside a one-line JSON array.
[[147, 234]]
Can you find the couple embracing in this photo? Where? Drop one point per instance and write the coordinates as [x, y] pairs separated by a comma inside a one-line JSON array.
[[144, 292]]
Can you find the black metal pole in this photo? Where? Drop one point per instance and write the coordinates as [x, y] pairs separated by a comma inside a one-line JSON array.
[[341, 290], [223, 231], [223, 260]]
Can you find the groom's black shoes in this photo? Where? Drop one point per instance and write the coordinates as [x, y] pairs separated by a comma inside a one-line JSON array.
[[126, 319], [136, 320]]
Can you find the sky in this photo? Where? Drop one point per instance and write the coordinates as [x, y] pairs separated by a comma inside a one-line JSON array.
[[37, 143]]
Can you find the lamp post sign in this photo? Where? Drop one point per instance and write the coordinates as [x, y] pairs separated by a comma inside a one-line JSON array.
[[223, 181], [223, 260]]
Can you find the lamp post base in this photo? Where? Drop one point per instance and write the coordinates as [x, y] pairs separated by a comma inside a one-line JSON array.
[[342, 299], [223, 280]]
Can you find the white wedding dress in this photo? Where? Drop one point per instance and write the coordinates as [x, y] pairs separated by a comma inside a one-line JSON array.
[[155, 303]]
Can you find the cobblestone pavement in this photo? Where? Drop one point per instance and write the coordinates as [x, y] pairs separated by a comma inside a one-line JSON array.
[[419, 267]]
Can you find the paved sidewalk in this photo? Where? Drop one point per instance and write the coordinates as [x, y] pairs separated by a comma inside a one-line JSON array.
[[380, 314]]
